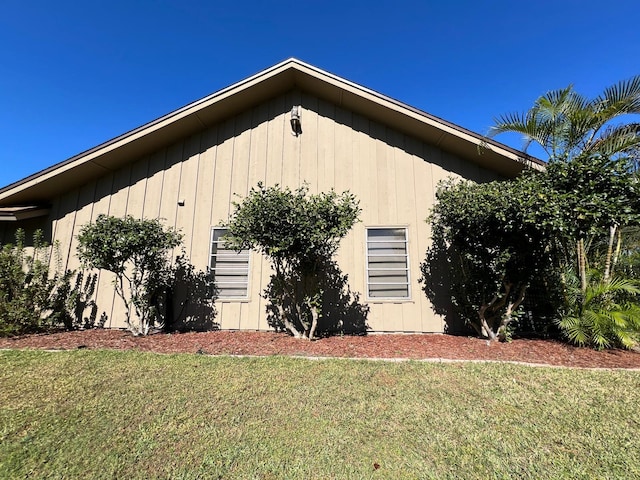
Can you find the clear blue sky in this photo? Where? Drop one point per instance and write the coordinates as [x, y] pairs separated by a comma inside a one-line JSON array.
[[75, 74]]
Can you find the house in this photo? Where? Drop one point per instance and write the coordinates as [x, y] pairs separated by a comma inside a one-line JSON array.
[[187, 167]]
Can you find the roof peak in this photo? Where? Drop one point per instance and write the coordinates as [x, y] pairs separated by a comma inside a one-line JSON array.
[[289, 74]]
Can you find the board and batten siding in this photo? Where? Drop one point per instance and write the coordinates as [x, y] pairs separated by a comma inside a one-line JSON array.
[[191, 185]]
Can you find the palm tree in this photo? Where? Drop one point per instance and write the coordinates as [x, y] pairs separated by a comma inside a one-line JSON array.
[[604, 315], [574, 130], [568, 125]]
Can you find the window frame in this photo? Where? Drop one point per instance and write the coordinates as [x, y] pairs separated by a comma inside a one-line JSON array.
[[211, 269], [369, 298]]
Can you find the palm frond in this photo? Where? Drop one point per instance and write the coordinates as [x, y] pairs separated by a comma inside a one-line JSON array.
[[510, 122], [567, 124], [624, 285], [616, 139], [527, 125], [574, 330], [602, 316], [627, 339], [619, 99], [596, 325], [558, 121], [557, 104]]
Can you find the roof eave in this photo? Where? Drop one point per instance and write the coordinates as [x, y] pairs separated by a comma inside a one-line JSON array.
[[16, 214]]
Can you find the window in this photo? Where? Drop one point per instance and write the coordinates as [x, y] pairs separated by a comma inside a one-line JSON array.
[[230, 269], [387, 263]]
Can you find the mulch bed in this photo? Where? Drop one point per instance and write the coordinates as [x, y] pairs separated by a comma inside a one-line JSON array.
[[419, 346]]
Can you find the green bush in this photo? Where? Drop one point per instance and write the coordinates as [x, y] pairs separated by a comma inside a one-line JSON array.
[[25, 287], [299, 233], [604, 315], [137, 252], [35, 299]]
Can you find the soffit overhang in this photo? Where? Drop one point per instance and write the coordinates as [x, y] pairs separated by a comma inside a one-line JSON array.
[[16, 214]]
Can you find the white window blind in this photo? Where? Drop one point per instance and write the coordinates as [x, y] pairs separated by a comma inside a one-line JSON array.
[[387, 263], [230, 269]]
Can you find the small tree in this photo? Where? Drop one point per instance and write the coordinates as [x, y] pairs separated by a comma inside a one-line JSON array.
[[299, 233], [494, 239], [600, 197], [137, 252], [502, 236]]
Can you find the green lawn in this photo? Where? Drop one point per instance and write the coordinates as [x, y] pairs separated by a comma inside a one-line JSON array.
[[102, 414]]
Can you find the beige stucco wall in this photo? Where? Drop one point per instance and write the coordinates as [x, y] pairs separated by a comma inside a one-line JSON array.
[[393, 175]]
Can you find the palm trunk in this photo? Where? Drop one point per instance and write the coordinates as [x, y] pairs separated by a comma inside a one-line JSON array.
[[616, 253], [582, 265], [609, 257]]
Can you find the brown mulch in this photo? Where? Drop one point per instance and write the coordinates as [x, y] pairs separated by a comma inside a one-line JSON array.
[[418, 346]]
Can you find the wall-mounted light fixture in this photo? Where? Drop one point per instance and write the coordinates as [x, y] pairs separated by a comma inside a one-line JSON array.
[[296, 126]]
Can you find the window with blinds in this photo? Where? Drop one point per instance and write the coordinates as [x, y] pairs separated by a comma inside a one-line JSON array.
[[387, 263], [230, 269]]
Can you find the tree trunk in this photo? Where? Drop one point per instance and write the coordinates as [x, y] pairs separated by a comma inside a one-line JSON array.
[[507, 316], [287, 323], [616, 253], [608, 259], [301, 320], [314, 321], [119, 284], [582, 265], [486, 329], [478, 328], [494, 305]]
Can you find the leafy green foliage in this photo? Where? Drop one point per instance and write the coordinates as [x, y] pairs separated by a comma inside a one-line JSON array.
[[567, 124], [33, 299], [493, 239], [25, 287], [629, 258], [503, 236], [284, 224], [595, 192], [602, 316], [591, 168], [299, 233], [138, 253]]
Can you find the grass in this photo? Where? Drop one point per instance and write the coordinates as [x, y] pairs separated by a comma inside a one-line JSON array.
[[103, 414]]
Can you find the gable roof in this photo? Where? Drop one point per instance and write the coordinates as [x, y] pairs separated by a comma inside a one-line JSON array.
[[283, 77]]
